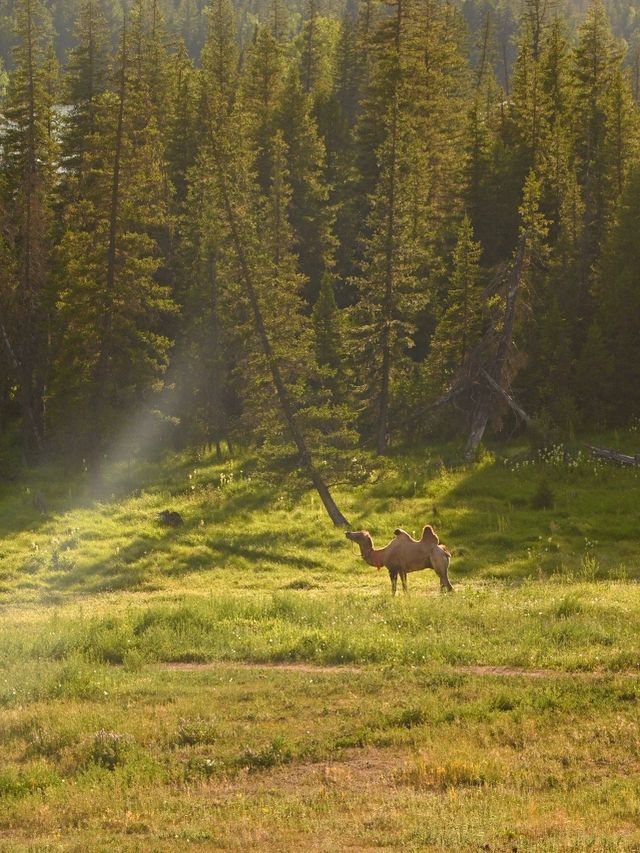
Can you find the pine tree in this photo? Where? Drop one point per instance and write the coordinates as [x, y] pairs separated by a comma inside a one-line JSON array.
[[111, 306], [28, 183], [557, 160], [328, 326], [621, 132], [482, 204], [86, 79], [310, 53], [409, 137], [309, 214], [261, 279], [460, 325], [278, 20], [597, 60], [181, 142], [617, 295], [207, 347], [263, 84], [387, 286]]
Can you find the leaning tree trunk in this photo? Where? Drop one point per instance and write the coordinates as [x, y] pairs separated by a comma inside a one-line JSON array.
[[286, 406], [484, 403]]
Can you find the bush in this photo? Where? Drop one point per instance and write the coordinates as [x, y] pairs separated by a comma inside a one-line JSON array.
[[110, 749], [192, 731], [410, 717], [276, 753], [543, 497]]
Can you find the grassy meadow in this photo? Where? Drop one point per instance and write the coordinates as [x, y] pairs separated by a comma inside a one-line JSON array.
[[246, 681]]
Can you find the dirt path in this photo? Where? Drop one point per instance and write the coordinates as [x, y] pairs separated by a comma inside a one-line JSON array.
[[474, 669], [285, 667]]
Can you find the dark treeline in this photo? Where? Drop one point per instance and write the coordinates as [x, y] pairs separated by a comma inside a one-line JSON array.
[[312, 236]]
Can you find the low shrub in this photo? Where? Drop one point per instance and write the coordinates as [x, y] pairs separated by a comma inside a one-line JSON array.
[[110, 749], [194, 730]]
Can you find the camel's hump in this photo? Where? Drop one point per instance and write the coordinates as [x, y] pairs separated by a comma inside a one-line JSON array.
[[400, 532]]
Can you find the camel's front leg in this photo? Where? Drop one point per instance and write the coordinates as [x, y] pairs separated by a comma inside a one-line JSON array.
[[403, 578], [394, 580]]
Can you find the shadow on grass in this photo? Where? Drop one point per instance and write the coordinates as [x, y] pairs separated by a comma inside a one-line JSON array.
[[59, 490], [134, 566]]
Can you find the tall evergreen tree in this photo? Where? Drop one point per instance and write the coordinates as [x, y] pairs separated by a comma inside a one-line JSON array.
[[617, 294], [28, 182], [86, 79], [597, 60], [459, 327], [309, 214], [262, 281], [262, 89], [111, 307], [387, 285], [410, 135]]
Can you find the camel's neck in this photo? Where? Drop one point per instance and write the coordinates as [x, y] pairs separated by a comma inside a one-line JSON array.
[[370, 555]]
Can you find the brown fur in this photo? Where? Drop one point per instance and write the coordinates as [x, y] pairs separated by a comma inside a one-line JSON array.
[[405, 554]]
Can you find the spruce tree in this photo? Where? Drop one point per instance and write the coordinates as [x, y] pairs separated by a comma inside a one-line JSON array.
[[28, 178], [596, 64], [460, 325], [111, 306], [329, 337], [617, 296], [261, 275], [262, 88], [309, 213], [86, 78], [409, 137]]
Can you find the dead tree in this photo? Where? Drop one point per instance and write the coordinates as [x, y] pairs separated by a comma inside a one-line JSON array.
[[493, 376], [615, 456], [482, 380]]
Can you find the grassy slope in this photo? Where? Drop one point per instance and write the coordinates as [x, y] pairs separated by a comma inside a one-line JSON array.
[[405, 745]]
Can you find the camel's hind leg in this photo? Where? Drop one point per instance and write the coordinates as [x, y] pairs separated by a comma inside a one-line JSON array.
[[440, 564], [445, 584], [393, 574]]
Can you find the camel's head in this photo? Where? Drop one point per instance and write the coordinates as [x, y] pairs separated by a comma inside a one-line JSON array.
[[361, 538]]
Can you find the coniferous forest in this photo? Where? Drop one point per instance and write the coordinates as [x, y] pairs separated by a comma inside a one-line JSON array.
[[315, 228]]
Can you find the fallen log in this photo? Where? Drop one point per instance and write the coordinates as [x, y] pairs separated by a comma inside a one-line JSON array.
[[614, 456]]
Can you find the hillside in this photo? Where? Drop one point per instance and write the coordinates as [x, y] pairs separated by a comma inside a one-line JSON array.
[[245, 681]]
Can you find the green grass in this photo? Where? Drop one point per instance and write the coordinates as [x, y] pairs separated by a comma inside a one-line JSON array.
[[247, 682]]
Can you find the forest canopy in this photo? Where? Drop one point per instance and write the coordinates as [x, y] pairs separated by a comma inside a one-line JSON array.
[[315, 226]]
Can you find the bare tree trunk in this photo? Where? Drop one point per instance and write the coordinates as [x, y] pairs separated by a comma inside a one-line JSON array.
[[482, 409], [102, 367], [281, 392], [27, 403], [520, 412]]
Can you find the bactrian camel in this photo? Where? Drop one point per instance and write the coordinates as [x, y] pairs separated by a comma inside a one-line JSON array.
[[405, 554]]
